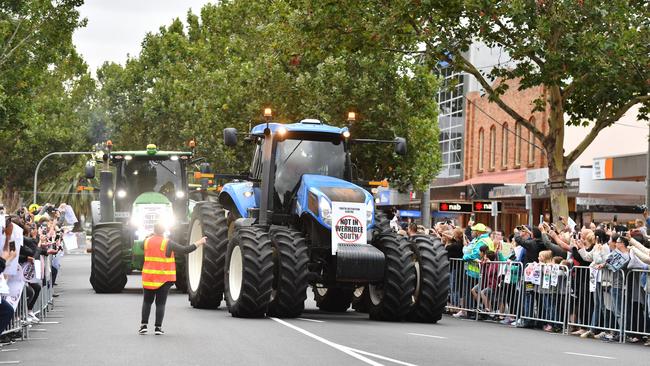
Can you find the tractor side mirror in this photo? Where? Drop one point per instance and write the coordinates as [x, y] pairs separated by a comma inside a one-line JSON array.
[[400, 146], [90, 170], [230, 137]]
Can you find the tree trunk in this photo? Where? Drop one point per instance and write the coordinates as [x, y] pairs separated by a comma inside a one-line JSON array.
[[557, 164]]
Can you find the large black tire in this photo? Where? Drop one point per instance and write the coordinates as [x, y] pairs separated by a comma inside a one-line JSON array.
[[360, 300], [432, 279], [205, 266], [249, 272], [290, 272], [382, 224], [391, 299], [107, 270], [333, 299]]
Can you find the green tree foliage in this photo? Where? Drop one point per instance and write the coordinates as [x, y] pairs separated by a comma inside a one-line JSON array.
[[45, 90], [592, 58], [225, 65]]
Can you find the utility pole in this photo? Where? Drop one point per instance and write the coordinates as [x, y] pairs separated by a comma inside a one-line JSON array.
[[425, 207], [52, 154]]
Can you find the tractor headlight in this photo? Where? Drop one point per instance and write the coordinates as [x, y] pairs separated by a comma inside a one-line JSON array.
[[370, 212], [325, 210], [167, 219]]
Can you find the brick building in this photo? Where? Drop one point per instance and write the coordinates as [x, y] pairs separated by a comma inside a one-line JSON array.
[[497, 153]]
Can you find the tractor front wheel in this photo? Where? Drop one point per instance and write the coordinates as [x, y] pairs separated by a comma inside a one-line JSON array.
[[249, 272], [108, 270], [391, 299], [432, 279], [205, 264], [290, 272]]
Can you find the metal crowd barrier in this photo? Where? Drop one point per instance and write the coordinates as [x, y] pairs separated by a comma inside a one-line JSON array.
[[596, 302], [636, 318], [18, 321], [499, 291], [544, 298], [43, 305], [460, 286]]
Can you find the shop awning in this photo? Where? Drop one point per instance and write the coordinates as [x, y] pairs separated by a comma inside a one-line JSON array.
[[508, 177]]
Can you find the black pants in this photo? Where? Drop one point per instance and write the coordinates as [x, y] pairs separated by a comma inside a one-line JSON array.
[[54, 273], [160, 295], [33, 290], [6, 313]]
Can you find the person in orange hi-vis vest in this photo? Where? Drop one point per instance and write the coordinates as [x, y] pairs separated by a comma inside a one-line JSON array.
[[159, 273]]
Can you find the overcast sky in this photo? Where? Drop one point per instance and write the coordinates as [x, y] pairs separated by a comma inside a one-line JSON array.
[[116, 27]]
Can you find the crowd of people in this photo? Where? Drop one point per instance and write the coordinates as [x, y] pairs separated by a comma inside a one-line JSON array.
[[29, 235], [542, 273]]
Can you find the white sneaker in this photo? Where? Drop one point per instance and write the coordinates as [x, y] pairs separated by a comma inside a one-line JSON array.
[[32, 318], [460, 314]]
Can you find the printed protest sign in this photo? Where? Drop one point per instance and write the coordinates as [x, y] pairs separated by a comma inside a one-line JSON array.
[[348, 224]]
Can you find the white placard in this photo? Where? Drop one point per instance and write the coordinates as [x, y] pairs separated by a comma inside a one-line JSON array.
[[70, 240], [348, 224], [38, 269]]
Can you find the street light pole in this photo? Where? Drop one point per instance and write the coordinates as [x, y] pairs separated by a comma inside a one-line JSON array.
[[52, 154]]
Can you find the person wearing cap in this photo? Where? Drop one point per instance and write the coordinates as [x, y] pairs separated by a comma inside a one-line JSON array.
[[471, 255]]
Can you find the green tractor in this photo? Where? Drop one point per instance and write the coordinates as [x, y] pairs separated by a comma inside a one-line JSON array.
[[137, 189]]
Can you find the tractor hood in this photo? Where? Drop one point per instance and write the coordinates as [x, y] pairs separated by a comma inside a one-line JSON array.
[[317, 192]]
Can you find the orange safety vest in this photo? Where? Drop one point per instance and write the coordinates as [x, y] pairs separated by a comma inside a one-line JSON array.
[[157, 268]]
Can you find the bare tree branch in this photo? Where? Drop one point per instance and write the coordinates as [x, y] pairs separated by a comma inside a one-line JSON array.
[[607, 120], [466, 66]]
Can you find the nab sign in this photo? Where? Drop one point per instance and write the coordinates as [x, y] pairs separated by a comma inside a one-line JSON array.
[[484, 206], [454, 207]]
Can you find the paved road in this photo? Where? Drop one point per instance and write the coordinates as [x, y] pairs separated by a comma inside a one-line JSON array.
[[102, 330]]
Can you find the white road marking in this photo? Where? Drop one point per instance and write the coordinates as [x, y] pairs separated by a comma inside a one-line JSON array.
[[48, 322], [311, 320], [356, 353], [588, 355], [381, 357], [427, 335], [9, 350], [337, 346], [9, 362]]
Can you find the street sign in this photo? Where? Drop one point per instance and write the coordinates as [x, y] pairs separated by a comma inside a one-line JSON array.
[[485, 206], [455, 207], [494, 206], [410, 213]]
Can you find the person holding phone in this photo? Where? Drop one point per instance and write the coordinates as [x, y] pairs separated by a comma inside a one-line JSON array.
[[7, 255], [159, 273]]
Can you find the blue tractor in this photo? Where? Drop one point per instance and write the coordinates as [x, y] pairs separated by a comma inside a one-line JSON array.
[[297, 219]]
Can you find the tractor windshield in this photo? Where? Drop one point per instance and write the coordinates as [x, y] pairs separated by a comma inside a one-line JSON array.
[[138, 176], [295, 158]]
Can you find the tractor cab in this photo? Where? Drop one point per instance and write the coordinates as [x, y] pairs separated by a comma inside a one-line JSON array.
[[137, 190]]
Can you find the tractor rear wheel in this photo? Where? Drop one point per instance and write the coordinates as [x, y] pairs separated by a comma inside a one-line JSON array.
[[432, 279], [205, 264], [290, 272], [391, 299], [249, 272], [333, 299], [107, 270]]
